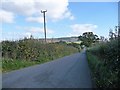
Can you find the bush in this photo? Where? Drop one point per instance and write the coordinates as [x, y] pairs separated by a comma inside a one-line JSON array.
[[103, 60], [32, 51]]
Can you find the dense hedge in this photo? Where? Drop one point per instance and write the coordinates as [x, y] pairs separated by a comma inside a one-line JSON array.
[[33, 50], [105, 63]]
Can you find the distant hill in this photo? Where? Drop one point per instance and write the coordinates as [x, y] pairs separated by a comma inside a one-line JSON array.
[[53, 40], [63, 39]]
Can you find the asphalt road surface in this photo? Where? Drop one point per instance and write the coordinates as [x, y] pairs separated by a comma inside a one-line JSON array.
[[67, 72]]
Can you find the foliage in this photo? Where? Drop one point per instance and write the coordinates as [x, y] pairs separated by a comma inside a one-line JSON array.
[[114, 35], [105, 64], [32, 50], [11, 64], [88, 38], [76, 45]]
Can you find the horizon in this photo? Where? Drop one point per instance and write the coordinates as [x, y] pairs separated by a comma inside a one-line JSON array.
[[64, 19]]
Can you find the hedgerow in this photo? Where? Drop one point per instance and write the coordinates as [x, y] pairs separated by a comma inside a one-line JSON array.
[[33, 51], [105, 64]]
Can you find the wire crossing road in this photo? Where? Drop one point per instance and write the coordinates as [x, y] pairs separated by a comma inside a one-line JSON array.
[[67, 72]]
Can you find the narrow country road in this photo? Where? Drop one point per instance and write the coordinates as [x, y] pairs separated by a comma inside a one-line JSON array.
[[67, 72]]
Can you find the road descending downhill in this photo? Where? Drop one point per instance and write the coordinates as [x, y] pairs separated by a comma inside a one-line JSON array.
[[67, 72]]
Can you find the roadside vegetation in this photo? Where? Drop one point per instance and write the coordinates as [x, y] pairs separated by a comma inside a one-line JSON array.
[[102, 54], [27, 52], [103, 59]]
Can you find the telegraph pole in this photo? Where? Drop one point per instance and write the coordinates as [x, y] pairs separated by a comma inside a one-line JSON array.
[[43, 11]]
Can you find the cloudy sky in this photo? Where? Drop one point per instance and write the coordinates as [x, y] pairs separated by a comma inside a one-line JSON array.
[[21, 18]]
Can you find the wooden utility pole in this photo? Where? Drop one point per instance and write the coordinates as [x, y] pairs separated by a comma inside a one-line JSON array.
[[43, 11]]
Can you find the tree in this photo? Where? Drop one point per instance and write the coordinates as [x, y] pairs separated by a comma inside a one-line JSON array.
[[111, 34], [88, 38], [31, 37], [102, 38], [114, 35]]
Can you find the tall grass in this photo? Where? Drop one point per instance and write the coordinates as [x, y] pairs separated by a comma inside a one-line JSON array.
[[104, 63], [10, 64]]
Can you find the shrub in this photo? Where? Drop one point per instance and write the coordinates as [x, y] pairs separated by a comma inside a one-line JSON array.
[[103, 60], [32, 50]]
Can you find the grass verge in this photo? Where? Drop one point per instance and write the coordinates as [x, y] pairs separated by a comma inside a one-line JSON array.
[[13, 64], [10, 64], [102, 76]]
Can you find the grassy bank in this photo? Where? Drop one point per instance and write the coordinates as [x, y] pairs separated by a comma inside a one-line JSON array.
[[104, 64], [10, 64], [24, 53]]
